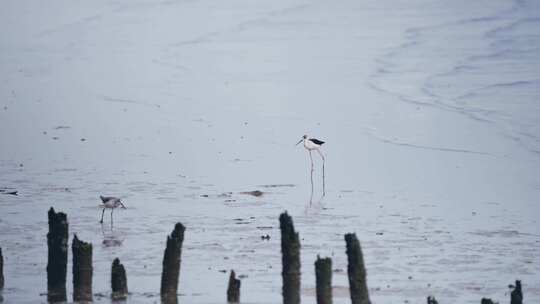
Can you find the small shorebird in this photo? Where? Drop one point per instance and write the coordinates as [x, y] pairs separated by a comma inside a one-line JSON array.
[[313, 144], [110, 202]]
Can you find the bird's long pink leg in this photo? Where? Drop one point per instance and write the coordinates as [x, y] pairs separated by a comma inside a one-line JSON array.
[[323, 179], [311, 158]]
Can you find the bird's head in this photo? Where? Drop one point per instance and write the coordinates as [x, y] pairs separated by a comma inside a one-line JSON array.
[[119, 203], [303, 137]]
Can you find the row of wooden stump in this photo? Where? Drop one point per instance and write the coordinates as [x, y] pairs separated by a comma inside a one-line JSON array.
[[57, 241]]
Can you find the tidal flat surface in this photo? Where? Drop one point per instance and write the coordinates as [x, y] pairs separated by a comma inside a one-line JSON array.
[[429, 109]]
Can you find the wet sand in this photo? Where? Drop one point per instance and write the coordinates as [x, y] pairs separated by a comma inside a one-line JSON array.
[[428, 109]]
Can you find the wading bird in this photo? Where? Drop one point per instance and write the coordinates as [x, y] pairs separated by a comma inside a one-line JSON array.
[[313, 144], [110, 202]]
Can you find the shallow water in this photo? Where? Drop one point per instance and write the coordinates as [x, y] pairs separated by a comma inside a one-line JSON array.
[[429, 110]]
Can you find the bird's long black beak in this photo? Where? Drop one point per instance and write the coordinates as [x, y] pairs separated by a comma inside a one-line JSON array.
[[123, 207], [298, 142]]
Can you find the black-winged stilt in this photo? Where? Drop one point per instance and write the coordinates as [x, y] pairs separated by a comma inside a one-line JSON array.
[[110, 202], [313, 144]]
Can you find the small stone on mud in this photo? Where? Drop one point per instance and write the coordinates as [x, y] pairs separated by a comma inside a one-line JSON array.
[[255, 193], [111, 243], [265, 237]]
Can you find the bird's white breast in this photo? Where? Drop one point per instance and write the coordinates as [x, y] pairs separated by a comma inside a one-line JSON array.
[[308, 144]]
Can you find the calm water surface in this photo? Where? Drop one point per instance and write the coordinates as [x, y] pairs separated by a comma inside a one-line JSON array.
[[429, 109]]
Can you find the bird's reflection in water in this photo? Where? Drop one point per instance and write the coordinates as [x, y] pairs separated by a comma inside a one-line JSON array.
[[316, 205], [110, 238]]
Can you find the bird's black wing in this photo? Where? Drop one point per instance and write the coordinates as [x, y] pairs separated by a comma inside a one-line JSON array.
[[316, 141]]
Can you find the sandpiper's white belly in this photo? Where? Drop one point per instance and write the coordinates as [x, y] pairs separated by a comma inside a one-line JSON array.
[[109, 204]]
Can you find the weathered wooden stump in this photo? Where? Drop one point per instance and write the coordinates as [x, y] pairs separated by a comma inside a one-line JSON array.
[[1, 269], [431, 300], [356, 271], [290, 258], [82, 270], [118, 281], [486, 301], [57, 241], [171, 264], [516, 296], [233, 291], [323, 278]]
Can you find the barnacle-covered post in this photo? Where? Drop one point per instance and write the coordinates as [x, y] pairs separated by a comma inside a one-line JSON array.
[[1, 269], [290, 258], [233, 290], [356, 271], [516, 296], [171, 264], [57, 241], [118, 281], [323, 278], [82, 270]]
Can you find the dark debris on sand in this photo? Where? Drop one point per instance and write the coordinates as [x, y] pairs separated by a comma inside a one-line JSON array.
[[256, 193]]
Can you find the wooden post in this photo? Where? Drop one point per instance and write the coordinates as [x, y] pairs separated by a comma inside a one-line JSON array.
[[431, 300], [356, 271], [118, 281], [82, 270], [57, 241], [323, 278], [171, 264], [233, 291], [516, 296], [290, 258], [1, 269], [1, 275]]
